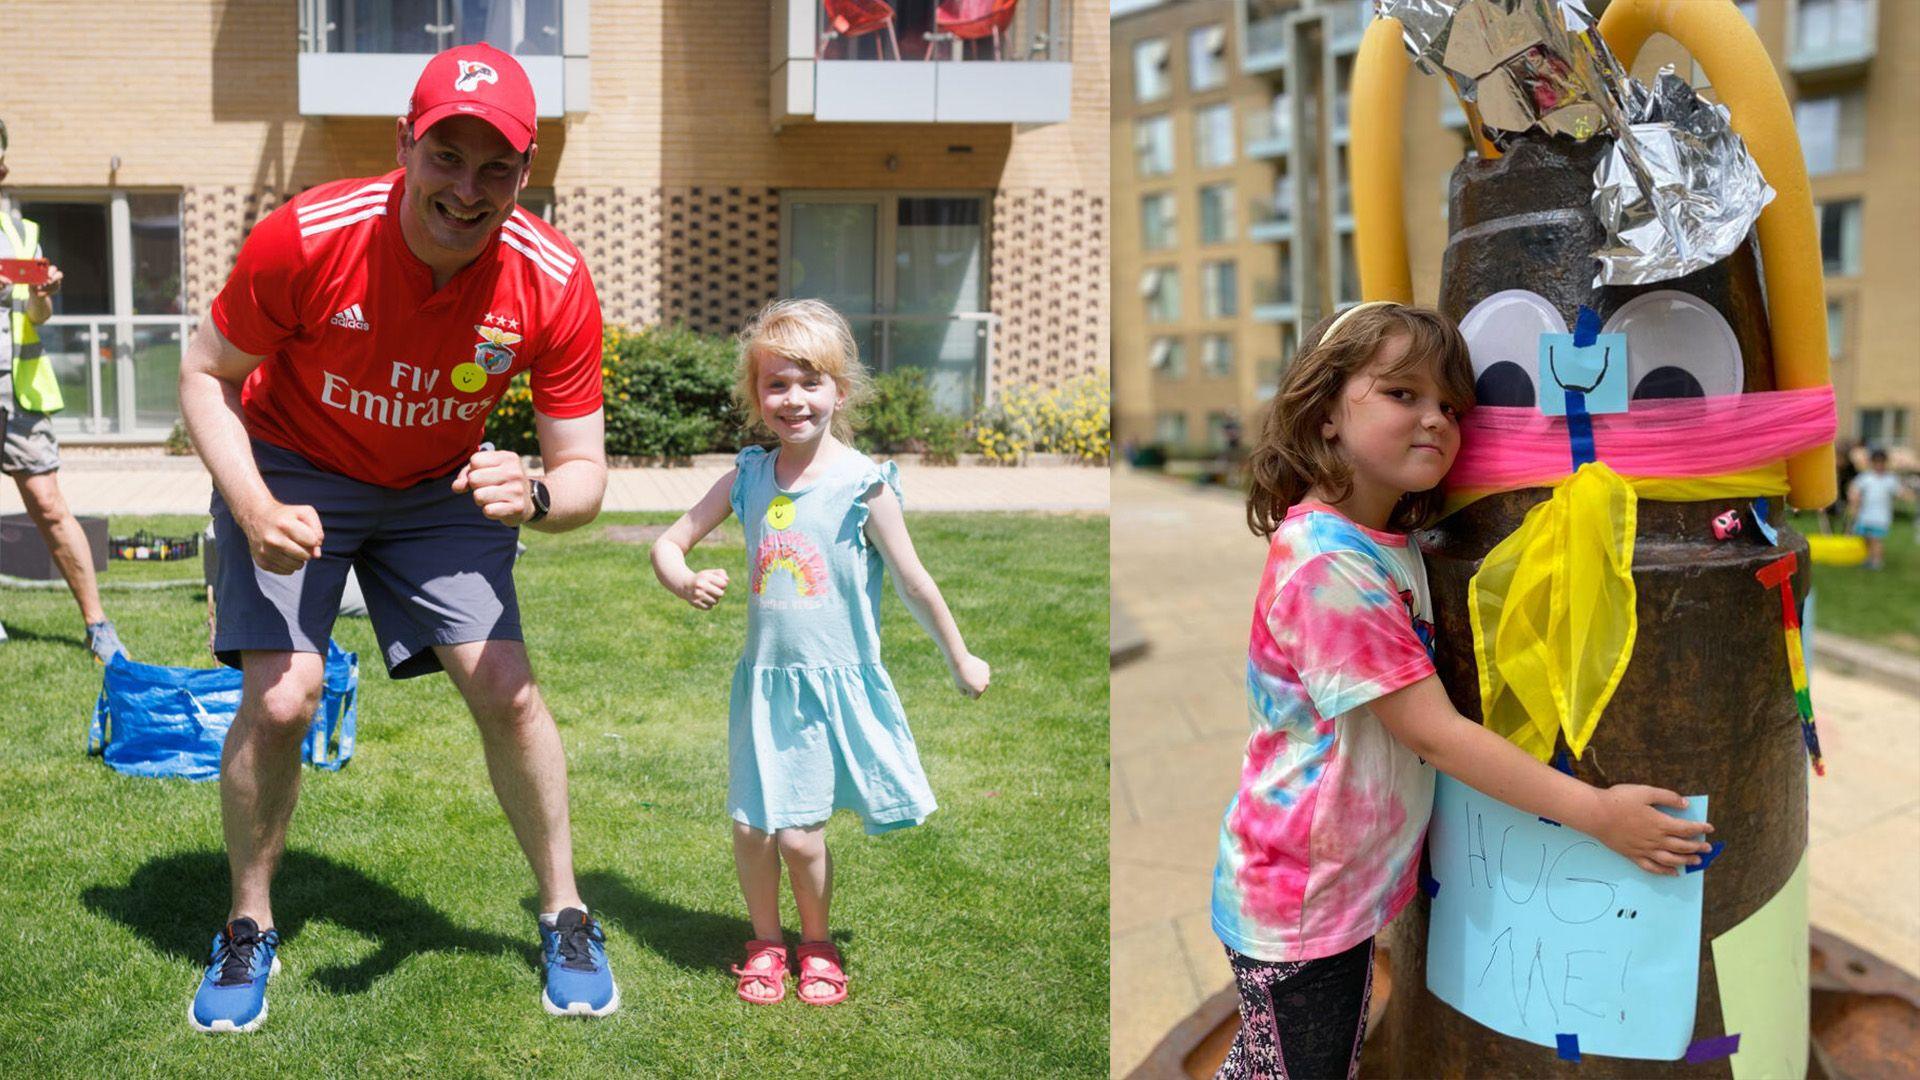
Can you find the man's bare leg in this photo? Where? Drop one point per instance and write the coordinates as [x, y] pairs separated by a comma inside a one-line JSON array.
[[64, 539], [525, 760], [260, 771]]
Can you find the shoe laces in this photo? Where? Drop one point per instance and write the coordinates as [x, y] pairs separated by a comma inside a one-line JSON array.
[[576, 944], [234, 957]]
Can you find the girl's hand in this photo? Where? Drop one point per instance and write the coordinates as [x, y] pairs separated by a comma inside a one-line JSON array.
[[705, 589], [971, 674], [1657, 843]]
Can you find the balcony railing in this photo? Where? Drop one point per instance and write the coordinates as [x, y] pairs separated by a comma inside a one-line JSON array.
[[956, 352], [362, 57], [1274, 300], [119, 375], [952, 30], [521, 27], [1266, 45], [1270, 131], [1834, 37], [1346, 23], [1272, 218]]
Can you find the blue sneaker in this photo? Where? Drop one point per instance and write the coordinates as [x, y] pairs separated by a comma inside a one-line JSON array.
[[579, 982], [233, 992]]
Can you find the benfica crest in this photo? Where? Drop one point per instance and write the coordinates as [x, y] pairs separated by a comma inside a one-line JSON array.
[[494, 353]]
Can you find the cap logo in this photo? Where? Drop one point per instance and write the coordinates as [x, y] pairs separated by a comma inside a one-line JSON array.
[[472, 74]]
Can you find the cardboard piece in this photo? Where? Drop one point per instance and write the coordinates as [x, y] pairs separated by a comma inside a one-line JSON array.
[[1761, 967]]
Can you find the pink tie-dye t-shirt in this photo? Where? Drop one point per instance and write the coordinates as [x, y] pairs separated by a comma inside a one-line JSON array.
[[1320, 848]]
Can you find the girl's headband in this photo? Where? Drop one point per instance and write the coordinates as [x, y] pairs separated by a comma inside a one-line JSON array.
[[1349, 313]]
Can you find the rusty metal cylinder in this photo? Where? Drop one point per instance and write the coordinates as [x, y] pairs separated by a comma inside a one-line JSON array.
[[1706, 703]]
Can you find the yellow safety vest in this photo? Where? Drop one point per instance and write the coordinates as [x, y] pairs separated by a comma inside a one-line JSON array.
[[35, 386]]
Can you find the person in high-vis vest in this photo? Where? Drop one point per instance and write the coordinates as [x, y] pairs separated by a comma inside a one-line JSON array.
[[29, 392]]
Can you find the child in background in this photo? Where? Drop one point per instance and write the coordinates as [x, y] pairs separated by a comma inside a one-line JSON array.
[[814, 723], [1870, 502], [1320, 848]]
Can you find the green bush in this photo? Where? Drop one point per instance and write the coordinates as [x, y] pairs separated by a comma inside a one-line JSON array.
[[1072, 419], [900, 417], [669, 394]]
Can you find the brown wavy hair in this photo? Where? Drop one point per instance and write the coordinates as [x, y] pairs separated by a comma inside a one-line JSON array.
[[1292, 456]]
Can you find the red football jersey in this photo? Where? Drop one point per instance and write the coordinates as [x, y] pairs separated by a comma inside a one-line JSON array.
[[373, 374]]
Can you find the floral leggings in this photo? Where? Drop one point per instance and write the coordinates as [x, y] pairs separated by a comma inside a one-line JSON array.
[[1300, 1020]]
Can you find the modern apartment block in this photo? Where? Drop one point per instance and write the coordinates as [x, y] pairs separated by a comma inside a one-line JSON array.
[[941, 179], [1290, 66]]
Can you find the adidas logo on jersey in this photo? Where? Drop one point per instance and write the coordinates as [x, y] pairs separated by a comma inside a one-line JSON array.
[[351, 319]]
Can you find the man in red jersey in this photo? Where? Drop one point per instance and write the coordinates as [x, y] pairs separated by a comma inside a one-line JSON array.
[[338, 391]]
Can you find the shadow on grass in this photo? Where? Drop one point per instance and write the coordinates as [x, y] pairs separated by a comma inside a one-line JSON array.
[[688, 939], [15, 632], [178, 901]]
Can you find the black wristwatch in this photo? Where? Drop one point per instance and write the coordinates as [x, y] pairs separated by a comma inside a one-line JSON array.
[[537, 493]]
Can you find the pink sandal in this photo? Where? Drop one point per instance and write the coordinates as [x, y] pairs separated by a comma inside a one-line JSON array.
[[820, 967], [766, 968]]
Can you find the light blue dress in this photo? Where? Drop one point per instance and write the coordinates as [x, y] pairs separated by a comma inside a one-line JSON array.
[[814, 723]]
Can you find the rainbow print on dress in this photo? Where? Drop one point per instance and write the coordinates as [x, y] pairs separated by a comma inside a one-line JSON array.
[[794, 554]]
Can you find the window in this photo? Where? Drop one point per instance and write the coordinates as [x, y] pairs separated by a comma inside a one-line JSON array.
[[1223, 431], [1216, 214], [1213, 136], [1170, 429], [1216, 355], [1161, 287], [538, 202], [1749, 10], [521, 27], [1207, 57], [1153, 146], [1283, 198], [1827, 26], [1836, 329], [1220, 286], [910, 274], [1156, 222], [1881, 428], [1168, 358], [120, 318], [1150, 81], [1840, 236], [1833, 131]]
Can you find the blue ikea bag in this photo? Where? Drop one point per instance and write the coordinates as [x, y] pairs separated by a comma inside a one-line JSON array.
[[153, 720]]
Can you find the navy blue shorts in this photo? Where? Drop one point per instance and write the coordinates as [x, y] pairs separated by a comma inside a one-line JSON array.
[[434, 569]]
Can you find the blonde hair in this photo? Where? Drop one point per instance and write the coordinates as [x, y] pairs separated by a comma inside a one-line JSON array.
[[809, 333], [1292, 456]]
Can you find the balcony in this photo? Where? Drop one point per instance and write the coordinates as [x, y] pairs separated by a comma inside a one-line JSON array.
[[954, 62], [1269, 134], [1832, 38], [1266, 45], [1346, 23], [1274, 302], [1272, 219], [362, 57]]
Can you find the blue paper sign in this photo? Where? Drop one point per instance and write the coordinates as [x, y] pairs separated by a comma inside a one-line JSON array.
[[1597, 371], [1539, 931]]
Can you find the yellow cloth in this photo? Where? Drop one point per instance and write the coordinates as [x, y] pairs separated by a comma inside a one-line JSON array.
[[1553, 613]]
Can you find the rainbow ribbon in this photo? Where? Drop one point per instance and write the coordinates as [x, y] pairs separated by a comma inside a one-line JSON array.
[[1778, 574]]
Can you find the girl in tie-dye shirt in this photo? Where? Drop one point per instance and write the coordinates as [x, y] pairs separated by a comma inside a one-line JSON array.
[[1320, 848]]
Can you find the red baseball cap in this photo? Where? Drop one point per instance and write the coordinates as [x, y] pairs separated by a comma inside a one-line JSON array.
[[475, 80]]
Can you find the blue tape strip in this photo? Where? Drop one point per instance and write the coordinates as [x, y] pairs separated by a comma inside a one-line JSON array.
[[1569, 1046], [1712, 1049], [1427, 883], [1586, 327], [1563, 761], [1579, 428], [1707, 859]]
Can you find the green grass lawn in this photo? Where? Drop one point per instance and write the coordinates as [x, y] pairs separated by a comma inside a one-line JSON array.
[[1879, 606], [977, 943]]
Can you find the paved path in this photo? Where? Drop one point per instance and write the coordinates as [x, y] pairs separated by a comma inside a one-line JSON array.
[[1184, 570], [155, 484]]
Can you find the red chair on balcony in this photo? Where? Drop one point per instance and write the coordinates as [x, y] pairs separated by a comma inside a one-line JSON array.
[[972, 20], [857, 19]]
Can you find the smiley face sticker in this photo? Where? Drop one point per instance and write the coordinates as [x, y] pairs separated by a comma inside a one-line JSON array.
[[469, 377], [780, 512]]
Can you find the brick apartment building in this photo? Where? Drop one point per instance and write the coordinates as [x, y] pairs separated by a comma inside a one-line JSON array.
[[945, 185]]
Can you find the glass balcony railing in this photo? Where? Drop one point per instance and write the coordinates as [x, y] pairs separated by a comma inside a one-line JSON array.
[[1274, 299], [1266, 44], [1830, 36], [1269, 133], [951, 30], [956, 352], [521, 27], [1346, 22], [1272, 219], [119, 376]]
